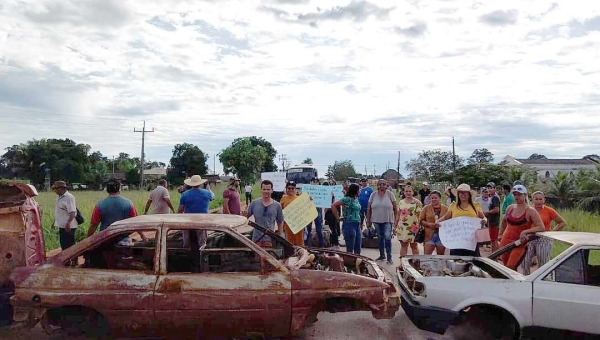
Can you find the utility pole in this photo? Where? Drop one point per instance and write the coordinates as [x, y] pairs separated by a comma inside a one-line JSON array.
[[143, 131], [113, 174], [373, 169], [398, 167], [282, 158], [453, 164], [365, 170]]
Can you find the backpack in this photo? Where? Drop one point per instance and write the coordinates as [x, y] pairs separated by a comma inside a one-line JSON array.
[[79, 218]]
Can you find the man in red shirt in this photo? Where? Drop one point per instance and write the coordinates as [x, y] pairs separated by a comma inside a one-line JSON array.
[[231, 198]]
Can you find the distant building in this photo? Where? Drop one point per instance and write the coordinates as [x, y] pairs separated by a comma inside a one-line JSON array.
[[547, 168], [155, 174]]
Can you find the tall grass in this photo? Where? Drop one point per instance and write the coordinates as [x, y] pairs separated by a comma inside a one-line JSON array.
[[86, 201]]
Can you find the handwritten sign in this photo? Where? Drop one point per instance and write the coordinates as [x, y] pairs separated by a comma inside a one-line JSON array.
[[321, 194], [459, 232], [300, 213], [278, 179]]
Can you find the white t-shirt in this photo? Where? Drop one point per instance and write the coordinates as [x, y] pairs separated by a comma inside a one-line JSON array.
[[158, 196], [248, 188], [485, 204], [65, 204]]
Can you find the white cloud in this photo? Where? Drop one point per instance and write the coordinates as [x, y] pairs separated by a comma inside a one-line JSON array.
[[350, 79]]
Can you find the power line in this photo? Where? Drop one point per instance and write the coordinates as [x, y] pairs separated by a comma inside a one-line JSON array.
[[45, 122], [59, 114]]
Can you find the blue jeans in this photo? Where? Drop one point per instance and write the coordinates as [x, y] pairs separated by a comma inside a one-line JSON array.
[[319, 227], [384, 233], [66, 238], [352, 236]]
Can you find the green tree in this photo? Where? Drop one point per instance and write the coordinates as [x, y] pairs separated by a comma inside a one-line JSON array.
[[246, 159], [537, 156], [124, 163], [268, 166], [481, 156], [526, 175], [434, 165], [562, 187], [187, 160], [479, 175], [341, 170], [308, 160], [65, 159]]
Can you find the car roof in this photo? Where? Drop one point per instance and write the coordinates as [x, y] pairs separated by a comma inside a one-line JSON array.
[[574, 237], [184, 220]]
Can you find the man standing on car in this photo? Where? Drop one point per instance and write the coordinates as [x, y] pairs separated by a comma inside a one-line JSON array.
[[161, 199], [231, 198], [65, 210], [195, 201], [363, 198], [267, 213], [112, 209]]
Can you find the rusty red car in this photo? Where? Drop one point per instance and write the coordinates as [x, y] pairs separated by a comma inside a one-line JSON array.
[[195, 275]]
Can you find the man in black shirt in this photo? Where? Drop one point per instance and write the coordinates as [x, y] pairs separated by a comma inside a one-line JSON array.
[[424, 193], [493, 215]]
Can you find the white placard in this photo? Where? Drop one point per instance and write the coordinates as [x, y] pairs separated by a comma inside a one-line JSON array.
[[278, 179], [459, 232]]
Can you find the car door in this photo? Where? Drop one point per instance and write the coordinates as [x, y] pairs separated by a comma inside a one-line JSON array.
[[235, 290], [568, 295]]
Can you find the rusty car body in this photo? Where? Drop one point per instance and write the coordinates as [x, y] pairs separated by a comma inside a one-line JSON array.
[[227, 287], [21, 237]]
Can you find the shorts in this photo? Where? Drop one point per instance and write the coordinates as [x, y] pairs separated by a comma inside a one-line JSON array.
[[494, 233], [435, 240]]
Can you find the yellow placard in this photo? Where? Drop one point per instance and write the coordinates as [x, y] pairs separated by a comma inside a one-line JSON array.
[[300, 213]]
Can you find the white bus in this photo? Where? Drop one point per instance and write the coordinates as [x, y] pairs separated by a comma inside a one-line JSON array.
[[301, 174]]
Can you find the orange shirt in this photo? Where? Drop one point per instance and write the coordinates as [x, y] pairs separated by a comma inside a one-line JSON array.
[[547, 214], [295, 239]]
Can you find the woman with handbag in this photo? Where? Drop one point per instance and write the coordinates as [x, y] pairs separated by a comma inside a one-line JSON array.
[[463, 207], [409, 210], [429, 215], [382, 212]]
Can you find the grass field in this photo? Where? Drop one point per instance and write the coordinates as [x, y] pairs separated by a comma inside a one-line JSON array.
[[86, 200]]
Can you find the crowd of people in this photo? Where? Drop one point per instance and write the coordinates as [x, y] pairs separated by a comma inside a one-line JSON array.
[[413, 220]]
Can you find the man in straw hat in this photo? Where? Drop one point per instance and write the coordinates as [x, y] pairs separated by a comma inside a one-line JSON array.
[[195, 201], [231, 198], [65, 210]]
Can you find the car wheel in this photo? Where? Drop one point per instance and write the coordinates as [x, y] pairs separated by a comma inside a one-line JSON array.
[[72, 321], [485, 322]]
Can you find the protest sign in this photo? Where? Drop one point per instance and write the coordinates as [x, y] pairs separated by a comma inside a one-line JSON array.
[[300, 213], [459, 232], [278, 179], [321, 194]]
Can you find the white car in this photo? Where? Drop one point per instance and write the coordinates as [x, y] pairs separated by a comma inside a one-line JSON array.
[[562, 296]]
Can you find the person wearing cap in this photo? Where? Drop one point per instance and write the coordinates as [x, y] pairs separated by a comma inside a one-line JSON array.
[[363, 198], [509, 198], [318, 222], [520, 221], [65, 210], [463, 207], [289, 196], [493, 215], [542, 247], [112, 209], [160, 199], [231, 198], [424, 193]]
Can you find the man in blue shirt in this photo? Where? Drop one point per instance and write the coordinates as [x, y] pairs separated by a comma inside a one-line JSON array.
[[195, 201], [363, 198]]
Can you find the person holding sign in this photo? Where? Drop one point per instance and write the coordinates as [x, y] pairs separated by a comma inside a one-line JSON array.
[[520, 221], [463, 207], [408, 224], [351, 228], [383, 212], [289, 196], [429, 214]]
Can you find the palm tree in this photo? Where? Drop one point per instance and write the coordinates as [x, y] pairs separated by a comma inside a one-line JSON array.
[[562, 187], [526, 175], [588, 188]]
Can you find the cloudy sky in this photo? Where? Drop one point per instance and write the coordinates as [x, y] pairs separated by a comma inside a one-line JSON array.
[[330, 80]]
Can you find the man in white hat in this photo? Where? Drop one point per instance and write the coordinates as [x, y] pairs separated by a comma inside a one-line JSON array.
[[65, 210], [195, 201]]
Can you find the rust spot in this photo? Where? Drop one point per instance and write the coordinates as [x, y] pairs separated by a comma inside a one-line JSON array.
[[9, 256], [168, 285]]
